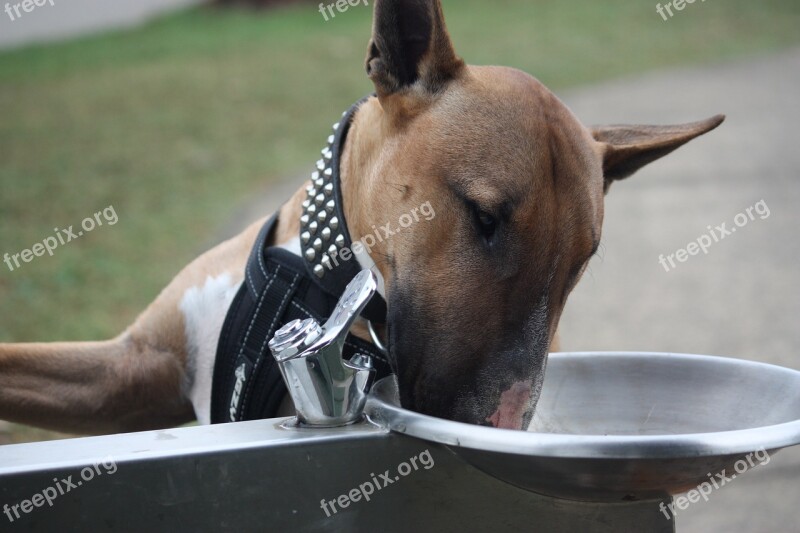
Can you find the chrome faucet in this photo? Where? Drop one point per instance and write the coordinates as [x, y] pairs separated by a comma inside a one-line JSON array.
[[327, 390]]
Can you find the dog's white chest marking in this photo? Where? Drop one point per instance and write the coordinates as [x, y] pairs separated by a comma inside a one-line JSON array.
[[204, 310]]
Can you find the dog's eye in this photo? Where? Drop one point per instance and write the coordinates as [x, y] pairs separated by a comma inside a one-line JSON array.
[[487, 224]]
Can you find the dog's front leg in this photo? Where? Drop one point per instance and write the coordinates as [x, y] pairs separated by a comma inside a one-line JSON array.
[[93, 387]]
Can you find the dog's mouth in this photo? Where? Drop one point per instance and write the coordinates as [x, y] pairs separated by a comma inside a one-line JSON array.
[[514, 411], [498, 403]]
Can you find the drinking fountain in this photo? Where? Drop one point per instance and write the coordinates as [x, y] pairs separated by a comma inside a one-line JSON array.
[[614, 438]]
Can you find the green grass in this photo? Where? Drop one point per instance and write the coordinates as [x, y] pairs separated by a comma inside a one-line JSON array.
[[178, 122]]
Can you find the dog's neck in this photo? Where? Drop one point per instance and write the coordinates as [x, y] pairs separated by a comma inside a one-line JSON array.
[[328, 231]]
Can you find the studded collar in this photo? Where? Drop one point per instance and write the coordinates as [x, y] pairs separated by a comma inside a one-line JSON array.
[[325, 241]]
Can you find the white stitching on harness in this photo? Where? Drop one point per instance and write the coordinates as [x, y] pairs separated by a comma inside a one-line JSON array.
[[243, 401], [289, 291]]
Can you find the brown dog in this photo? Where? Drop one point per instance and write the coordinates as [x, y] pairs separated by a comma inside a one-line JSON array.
[[474, 295]]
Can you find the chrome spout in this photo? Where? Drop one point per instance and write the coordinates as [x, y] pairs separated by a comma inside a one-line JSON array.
[[327, 390]]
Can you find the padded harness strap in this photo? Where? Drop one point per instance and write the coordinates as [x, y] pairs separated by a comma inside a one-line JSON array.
[[277, 289]]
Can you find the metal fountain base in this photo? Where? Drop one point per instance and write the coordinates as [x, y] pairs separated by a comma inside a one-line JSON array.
[[615, 436], [259, 476]]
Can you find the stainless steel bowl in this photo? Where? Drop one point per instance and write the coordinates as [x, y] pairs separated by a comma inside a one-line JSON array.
[[624, 426]]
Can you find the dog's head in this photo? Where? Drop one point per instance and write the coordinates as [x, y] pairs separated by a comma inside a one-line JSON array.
[[502, 190]]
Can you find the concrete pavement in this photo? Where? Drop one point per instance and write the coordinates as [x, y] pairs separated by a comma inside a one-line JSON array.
[[57, 20]]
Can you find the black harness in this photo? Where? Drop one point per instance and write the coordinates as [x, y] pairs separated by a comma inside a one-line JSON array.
[[280, 286]]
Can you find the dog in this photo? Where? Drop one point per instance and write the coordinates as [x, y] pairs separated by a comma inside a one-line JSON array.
[[473, 296]]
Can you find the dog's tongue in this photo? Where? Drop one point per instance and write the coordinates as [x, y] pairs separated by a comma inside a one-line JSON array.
[[513, 404]]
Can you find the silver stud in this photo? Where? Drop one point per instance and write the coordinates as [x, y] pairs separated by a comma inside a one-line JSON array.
[[330, 206], [328, 173], [319, 183], [328, 189], [306, 204], [312, 193], [327, 155], [305, 237], [320, 165], [326, 261], [315, 175], [331, 138], [322, 216], [336, 126], [335, 223], [311, 254], [313, 228], [326, 232], [319, 271], [304, 220], [320, 199], [340, 240], [312, 209], [318, 245], [308, 189], [333, 250]]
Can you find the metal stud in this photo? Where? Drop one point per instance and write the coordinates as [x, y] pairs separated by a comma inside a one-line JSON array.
[[335, 223], [312, 192], [312, 228], [326, 261], [309, 188], [331, 138], [311, 254], [330, 206], [328, 173], [312, 209], [320, 199], [327, 155], [305, 237], [326, 232], [319, 271], [322, 216], [314, 176], [320, 165], [328, 189], [304, 220], [340, 240], [306, 203], [336, 126], [318, 245], [333, 250]]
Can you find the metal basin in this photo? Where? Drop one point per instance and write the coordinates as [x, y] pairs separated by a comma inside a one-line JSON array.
[[624, 426]]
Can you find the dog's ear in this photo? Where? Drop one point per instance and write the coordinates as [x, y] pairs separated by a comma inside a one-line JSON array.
[[410, 45], [626, 149]]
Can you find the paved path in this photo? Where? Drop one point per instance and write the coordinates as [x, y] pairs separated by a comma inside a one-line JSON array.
[[741, 299], [59, 19]]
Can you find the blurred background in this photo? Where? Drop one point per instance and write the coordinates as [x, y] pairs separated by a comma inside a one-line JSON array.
[[191, 119]]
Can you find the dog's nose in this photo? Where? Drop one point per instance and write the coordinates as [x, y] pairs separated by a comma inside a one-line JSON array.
[[327, 390]]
